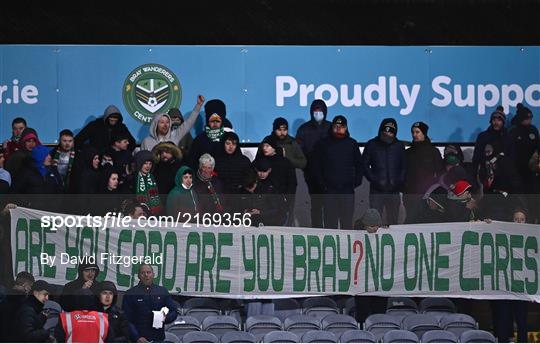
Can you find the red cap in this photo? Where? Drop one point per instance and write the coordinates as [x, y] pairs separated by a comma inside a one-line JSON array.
[[460, 187]]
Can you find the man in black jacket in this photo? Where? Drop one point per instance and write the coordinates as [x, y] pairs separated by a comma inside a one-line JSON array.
[[338, 171], [80, 294], [168, 159], [495, 135], [11, 304], [384, 165], [308, 135], [30, 319], [118, 323]]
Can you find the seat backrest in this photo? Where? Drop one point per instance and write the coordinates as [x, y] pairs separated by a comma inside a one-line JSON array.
[[420, 323], [437, 304], [280, 337], [238, 337], [401, 305], [319, 306], [182, 325], [318, 336], [200, 302], [382, 321], [458, 323], [357, 336], [300, 324], [199, 337], [259, 325], [400, 336], [476, 336], [220, 324], [339, 323], [171, 338], [439, 336], [201, 313]]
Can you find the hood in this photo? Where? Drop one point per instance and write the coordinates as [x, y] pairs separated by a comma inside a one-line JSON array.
[[153, 126], [39, 153], [108, 285], [141, 157], [230, 135], [111, 110], [179, 174], [84, 266], [166, 146], [318, 103], [89, 154]]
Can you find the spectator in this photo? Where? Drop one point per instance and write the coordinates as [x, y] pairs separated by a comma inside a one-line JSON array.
[[433, 207], [27, 176], [80, 294], [371, 221], [461, 206], [139, 303], [52, 181], [12, 303], [109, 197], [63, 156], [495, 135], [161, 128], [209, 187], [120, 156], [28, 141], [182, 199], [424, 164], [231, 164], [118, 323], [146, 189], [134, 209], [98, 133], [168, 159], [534, 201], [89, 175], [337, 168], [14, 144], [29, 319], [209, 141], [309, 133], [384, 165], [83, 326], [177, 119], [5, 176]]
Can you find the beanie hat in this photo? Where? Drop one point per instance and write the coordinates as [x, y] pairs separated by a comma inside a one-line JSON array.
[[522, 113], [422, 126], [371, 217], [279, 122], [40, 285], [460, 187], [107, 285], [340, 120], [215, 107], [29, 133], [141, 157], [388, 125], [498, 114], [271, 141], [174, 112], [119, 136], [262, 165]]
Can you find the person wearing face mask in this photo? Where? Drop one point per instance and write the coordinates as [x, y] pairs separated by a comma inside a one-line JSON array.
[[495, 135], [337, 168], [183, 199], [307, 136], [384, 164]]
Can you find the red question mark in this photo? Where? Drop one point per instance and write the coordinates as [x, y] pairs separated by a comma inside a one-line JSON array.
[[358, 244]]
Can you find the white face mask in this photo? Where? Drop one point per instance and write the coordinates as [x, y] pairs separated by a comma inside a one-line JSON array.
[[318, 116]]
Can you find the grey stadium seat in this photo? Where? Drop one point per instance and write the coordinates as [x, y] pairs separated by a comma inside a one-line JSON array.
[[318, 336], [238, 337], [200, 308], [199, 337], [259, 325], [400, 336], [420, 323], [220, 324], [284, 308], [401, 306], [379, 324], [477, 336], [439, 336], [319, 306], [300, 324], [438, 305], [280, 337], [357, 336], [182, 325], [171, 338], [458, 323], [338, 323]]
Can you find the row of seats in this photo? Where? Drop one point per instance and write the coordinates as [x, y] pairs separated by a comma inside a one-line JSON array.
[[318, 336]]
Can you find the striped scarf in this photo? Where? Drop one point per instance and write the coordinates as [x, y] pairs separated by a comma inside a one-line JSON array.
[[147, 192]]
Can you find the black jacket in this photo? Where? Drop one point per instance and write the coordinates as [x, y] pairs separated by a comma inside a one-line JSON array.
[[231, 168], [311, 132], [210, 193], [165, 172], [265, 198], [424, 164], [522, 142], [489, 136], [29, 322], [74, 297], [11, 304], [88, 179], [283, 173]]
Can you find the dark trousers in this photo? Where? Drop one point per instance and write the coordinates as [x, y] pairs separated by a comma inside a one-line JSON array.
[[505, 312], [338, 208], [317, 202], [390, 201]]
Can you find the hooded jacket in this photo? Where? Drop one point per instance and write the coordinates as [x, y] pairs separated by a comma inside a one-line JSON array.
[[118, 323], [424, 165], [173, 135], [180, 199], [99, 133], [522, 142], [30, 321], [283, 174], [231, 168], [384, 163], [311, 132], [496, 138], [75, 298], [164, 172], [293, 151], [89, 178]]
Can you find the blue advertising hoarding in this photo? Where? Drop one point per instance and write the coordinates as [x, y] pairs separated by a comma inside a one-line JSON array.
[[453, 89]]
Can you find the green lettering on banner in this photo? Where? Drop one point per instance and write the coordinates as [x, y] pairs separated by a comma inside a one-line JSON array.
[[22, 251], [223, 263], [72, 272], [139, 239], [329, 270], [207, 264], [277, 283], [154, 240], [372, 264], [426, 260], [87, 234], [344, 264], [468, 238], [249, 264], [170, 240], [192, 269], [103, 274], [487, 268], [531, 243], [387, 283], [50, 249], [516, 264], [123, 280], [35, 247], [501, 264], [314, 264], [299, 262], [411, 240], [441, 262], [263, 281]]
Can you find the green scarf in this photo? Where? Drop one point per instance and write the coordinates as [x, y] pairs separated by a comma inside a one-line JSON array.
[[147, 192], [214, 134]]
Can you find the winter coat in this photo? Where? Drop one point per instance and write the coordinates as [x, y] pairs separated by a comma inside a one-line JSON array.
[[283, 174], [231, 168], [8, 308], [182, 200], [521, 144], [201, 145], [311, 132], [496, 138], [210, 194], [88, 179], [424, 164], [165, 173], [118, 322], [271, 204], [99, 133], [384, 164], [337, 165], [26, 177], [293, 151], [173, 135], [138, 304], [75, 298], [29, 322]]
